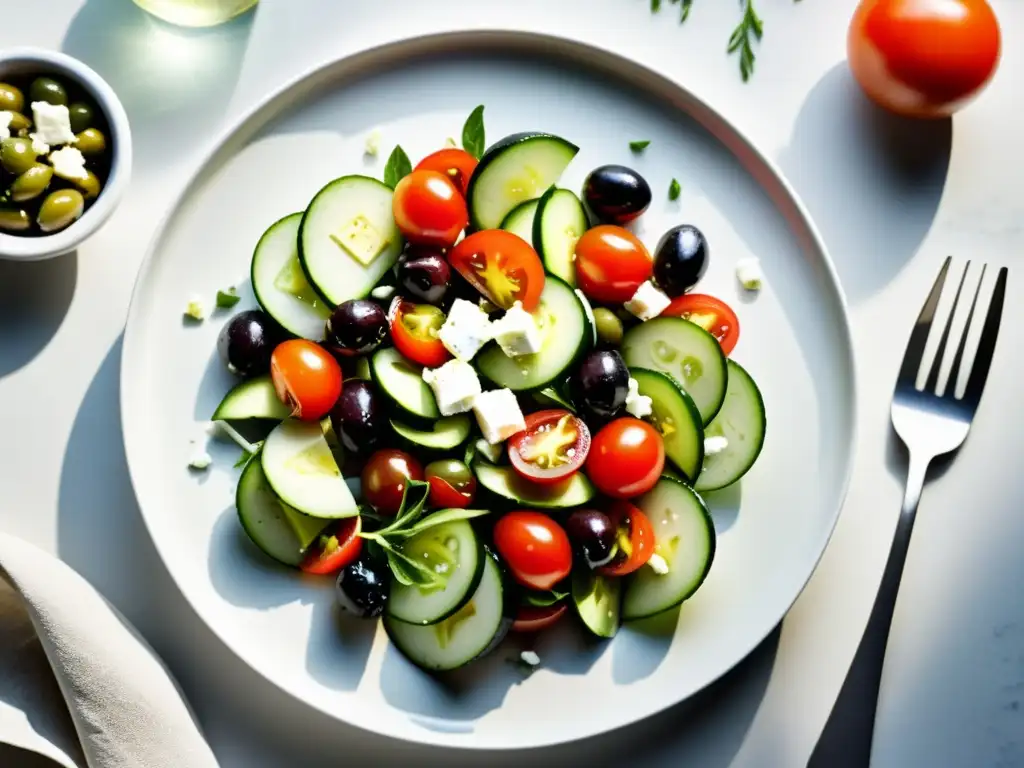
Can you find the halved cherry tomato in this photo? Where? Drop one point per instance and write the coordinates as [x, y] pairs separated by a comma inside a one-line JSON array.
[[611, 263], [532, 618], [534, 547], [335, 548], [554, 445], [385, 476], [635, 539], [414, 330], [306, 378], [429, 209], [713, 315], [452, 484], [502, 266], [626, 458], [457, 164]]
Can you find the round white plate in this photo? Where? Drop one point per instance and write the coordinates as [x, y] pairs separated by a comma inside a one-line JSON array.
[[795, 342]]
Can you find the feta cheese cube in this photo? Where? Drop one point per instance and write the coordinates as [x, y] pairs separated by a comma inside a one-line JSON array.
[[715, 444], [658, 564], [5, 124], [517, 333], [498, 414], [69, 163], [530, 658], [53, 123], [466, 329], [455, 384], [383, 292], [490, 452], [636, 404], [748, 272], [195, 308], [372, 146], [648, 302], [39, 146]]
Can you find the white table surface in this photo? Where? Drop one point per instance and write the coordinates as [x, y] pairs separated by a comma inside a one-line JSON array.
[[891, 199]]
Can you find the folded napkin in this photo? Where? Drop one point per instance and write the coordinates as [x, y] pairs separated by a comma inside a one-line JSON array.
[[78, 685]]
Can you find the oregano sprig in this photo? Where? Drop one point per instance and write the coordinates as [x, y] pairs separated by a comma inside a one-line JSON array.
[[749, 30]]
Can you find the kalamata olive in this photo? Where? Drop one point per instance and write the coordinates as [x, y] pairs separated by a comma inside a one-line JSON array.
[[680, 260], [592, 535], [359, 416], [247, 341], [356, 327], [616, 194], [362, 588], [424, 275], [603, 383]]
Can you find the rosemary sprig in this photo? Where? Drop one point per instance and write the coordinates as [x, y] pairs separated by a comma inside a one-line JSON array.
[[750, 29]]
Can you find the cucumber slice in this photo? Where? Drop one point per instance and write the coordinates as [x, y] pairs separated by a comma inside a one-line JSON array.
[[742, 422], [520, 220], [674, 414], [474, 630], [518, 168], [302, 471], [452, 548], [402, 382], [560, 221], [686, 540], [504, 481], [280, 284], [566, 337], [448, 433], [252, 399], [684, 351], [597, 599], [348, 238]]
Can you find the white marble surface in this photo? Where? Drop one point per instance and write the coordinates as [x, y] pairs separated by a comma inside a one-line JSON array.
[[891, 198]]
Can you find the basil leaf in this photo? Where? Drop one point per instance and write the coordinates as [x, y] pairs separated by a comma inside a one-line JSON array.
[[441, 518], [554, 395], [639, 146], [674, 189], [473, 133], [228, 298], [544, 599], [397, 167]]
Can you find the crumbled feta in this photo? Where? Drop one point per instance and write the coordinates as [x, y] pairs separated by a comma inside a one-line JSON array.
[[490, 452], [517, 333], [748, 272], [195, 308], [5, 124], [39, 146], [69, 163], [498, 414], [53, 123], [455, 384], [200, 459], [658, 564], [636, 404], [372, 143], [383, 292], [648, 302], [466, 329], [530, 658], [715, 444]]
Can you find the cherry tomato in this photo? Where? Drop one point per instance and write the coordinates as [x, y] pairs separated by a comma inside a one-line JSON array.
[[385, 476], [414, 330], [713, 315], [554, 445], [534, 548], [306, 378], [502, 266], [611, 263], [429, 209], [635, 539], [451, 484], [457, 164], [923, 58], [532, 618], [335, 548], [626, 458]]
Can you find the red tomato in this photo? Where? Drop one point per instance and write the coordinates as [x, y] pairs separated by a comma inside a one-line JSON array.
[[923, 58], [429, 209], [385, 476], [611, 263], [335, 548], [554, 445], [626, 458], [457, 164], [414, 330], [452, 484], [534, 547], [306, 378], [502, 266], [636, 539], [532, 618], [713, 315]]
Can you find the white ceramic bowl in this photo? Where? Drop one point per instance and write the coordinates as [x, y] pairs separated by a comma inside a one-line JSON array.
[[30, 61]]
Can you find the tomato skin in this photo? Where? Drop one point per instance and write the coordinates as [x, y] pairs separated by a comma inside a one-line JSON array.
[[385, 476], [534, 547], [457, 164], [713, 315], [611, 263], [532, 618], [414, 330], [639, 534], [626, 458], [543, 427], [338, 546], [923, 58], [502, 266], [452, 484], [429, 209], [306, 378]]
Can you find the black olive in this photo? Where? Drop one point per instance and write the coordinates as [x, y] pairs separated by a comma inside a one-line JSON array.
[[616, 194], [592, 535], [424, 275], [247, 341], [356, 327], [680, 260], [603, 383], [359, 417], [362, 588]]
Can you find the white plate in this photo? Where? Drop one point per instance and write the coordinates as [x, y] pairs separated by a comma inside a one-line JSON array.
[[795, 342]]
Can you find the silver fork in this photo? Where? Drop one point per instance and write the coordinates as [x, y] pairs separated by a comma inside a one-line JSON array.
[[930, 422]]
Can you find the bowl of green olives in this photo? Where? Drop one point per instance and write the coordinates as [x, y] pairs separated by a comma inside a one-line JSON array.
[[65, 153]]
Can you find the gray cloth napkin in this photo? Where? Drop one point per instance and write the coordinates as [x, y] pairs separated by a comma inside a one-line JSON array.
[[78, 685]]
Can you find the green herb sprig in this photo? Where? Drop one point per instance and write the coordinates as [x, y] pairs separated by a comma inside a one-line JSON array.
[[750, 29]]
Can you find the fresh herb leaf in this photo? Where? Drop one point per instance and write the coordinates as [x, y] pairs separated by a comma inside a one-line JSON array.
[[674, 189], [749, 30], [397, 167], [655, 6], [551, 393], [441, 518], [544, 599], [227, 298], [409, 572], [639, 146], [684, 14], [473, 140], [414, 499]]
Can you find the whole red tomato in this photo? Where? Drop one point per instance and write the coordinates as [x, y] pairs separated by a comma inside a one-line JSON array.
[[626, 458], [534, 547]]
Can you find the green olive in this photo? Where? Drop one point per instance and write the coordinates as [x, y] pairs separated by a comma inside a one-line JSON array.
[[47, 89], [32, 183], [90, 185], [60, 209], [609, 327], [91, 141], [19, 123], [81, 116], [14, 220], [17, 155], [11, 98]]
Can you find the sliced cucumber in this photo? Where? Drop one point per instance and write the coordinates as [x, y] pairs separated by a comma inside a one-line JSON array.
[[684, 351], [597, 599], [252, 399], [674, 414], [520, 220], [448, 433], [560, 221], [280, 284], [518, 168], [348, 238], [686, 541], [742, 422], [402, 382], [475, 629], [301, 469], [505, 482], [566, 337]]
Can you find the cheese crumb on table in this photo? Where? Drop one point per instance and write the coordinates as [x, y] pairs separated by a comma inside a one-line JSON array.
[[200, 459], [498, 414], [748, 272], [53, 123], [466, 329], [372, 146], [455, 385], [636, 404], [195, 308], [648, 302], [517, 333], [530, 658], [715, 444]]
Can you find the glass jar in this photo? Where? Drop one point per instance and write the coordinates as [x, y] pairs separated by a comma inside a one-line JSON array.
[[196, 13]]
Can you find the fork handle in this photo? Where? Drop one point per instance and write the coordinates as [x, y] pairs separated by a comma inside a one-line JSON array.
[[846, 739]]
